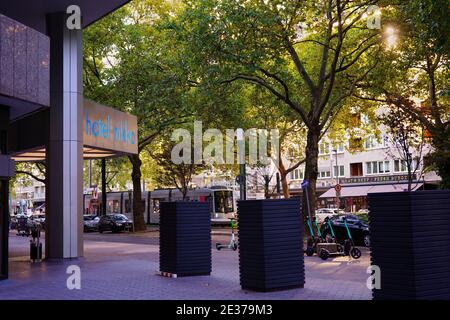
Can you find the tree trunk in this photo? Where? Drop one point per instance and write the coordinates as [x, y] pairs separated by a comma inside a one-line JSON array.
[[283, 178], [266, 187], [184, 191], [409, 162], [311, 170], [138, 209], [285, 186], [441, 155]]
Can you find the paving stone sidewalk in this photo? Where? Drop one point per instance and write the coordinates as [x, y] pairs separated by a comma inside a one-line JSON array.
[[124, 267]]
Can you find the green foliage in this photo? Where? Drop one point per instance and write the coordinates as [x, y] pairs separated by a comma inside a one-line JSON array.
[[259, 42], [117, 173], [413, 75], [129, 64], [168, 174]]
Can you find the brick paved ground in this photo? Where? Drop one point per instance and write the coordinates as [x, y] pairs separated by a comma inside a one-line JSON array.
[[123, 266]]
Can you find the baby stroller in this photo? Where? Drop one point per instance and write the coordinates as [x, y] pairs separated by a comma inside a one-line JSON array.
[[23, 227]]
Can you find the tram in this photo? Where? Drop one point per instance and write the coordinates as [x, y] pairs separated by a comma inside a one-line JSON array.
[[222, 202]]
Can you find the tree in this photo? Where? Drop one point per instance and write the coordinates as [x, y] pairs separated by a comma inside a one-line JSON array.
[[35, 170], [406, 136], [292, 134], [117, 173], [170, 174], [413, 73], [127, 65], [310, 55]]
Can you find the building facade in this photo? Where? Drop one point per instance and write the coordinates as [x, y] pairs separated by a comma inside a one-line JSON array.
[[41, 111], [377, 166]]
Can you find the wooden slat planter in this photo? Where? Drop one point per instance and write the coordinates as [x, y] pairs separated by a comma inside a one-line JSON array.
[[409, 234], [270, 244], [185, 238]]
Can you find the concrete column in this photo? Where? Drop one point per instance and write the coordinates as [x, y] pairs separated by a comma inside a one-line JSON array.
[[4, 209], [64, 191]]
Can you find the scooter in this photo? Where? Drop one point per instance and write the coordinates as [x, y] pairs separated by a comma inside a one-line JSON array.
[[311, 245], [233, 245], [327, 249]]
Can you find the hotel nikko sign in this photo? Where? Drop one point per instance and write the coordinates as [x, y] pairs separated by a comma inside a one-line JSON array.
[[109, 129]]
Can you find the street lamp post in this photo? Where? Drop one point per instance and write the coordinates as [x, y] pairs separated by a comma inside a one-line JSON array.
[[242, 170], [337, 166], [337, 179], [104, 187], [90, 173]]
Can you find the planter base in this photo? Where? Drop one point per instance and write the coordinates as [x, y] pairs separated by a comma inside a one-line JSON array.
[[409, 233], [174, 275], [300, 286], [270, 245], [185, 239]]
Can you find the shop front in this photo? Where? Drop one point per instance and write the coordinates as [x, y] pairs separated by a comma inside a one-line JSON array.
[[354, 192]]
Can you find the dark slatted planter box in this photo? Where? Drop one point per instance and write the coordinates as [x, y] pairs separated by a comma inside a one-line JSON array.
[[409, 234], [185, 238], [270, 244]]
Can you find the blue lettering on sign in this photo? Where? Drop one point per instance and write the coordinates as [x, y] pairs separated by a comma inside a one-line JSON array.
[[103, 129]]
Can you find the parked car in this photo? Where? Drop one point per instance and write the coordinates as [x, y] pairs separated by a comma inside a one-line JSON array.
[[90, 223], [322, 213], [114, 223], [39, 219], [13, 222], [358, 229]]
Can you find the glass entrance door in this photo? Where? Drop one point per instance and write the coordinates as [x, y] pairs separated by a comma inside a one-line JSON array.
[[4, 229]]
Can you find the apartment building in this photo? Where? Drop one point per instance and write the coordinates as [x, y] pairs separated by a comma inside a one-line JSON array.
[[377, 166]]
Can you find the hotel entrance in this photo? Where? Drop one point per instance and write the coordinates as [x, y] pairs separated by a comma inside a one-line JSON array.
[[44, 116]]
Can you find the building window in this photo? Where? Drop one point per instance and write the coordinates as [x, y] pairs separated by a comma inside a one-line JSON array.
[[296, 174], [402, 165], [341, 171], [376, 167], [324, 148], [356, 169], [324, 174], [370, 143], [365, 119], [384, 167], [339, 146], [373, 143]]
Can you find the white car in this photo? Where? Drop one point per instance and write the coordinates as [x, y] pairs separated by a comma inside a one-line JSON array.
[[322, 213]]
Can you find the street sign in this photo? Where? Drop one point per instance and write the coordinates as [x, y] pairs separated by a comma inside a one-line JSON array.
[[305, 184], [338, 189]]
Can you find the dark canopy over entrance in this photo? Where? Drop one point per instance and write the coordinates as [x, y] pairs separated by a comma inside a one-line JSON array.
[[33, 13]]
